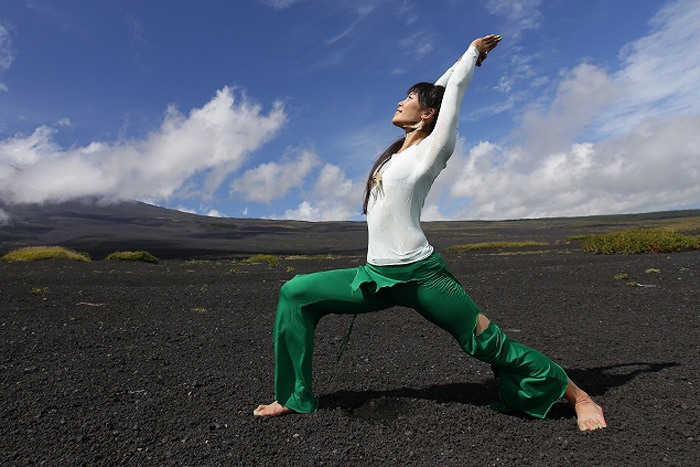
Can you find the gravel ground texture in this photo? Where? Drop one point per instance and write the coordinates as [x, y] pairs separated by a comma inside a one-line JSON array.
[[123, 363]]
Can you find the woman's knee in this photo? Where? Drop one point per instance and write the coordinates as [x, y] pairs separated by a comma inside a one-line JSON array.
[[290, 305], [292, 290]]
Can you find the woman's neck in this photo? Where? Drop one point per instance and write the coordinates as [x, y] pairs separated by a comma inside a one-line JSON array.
[[412, 137]]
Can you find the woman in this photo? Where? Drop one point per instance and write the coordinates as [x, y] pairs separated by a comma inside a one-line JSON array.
[[402, 269]]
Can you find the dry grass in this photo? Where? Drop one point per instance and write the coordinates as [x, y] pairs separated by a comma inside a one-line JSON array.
[[38, 253], [271, 260], [492, 246], [132, 256], [635, 241]]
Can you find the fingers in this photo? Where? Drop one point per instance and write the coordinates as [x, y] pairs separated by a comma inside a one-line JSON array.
[[487, 43], [484, 45], [491, 41]]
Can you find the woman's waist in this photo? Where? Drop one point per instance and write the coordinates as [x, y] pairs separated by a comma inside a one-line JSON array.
[[386, 248], [421, 268]]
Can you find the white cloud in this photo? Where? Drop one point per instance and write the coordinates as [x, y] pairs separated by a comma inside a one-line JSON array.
[[203, 211], [520, 15], [407, 12], [660, 71], [653, 168], [21, 151], [273, 180], [279, 4], [4, 218], [214, 213], [138, 33], [341, 35], [581, 96], [215, 139], [7, 53], [186, 209], [361, 11], [304, 212], [334, 197], [418, 44]]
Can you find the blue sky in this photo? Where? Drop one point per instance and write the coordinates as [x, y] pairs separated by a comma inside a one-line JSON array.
[[277, 108]]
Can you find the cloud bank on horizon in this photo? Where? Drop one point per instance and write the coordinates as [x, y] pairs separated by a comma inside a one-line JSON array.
[[595, 140]]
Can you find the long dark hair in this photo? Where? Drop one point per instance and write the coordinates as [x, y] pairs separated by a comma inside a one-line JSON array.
[[429, 96]]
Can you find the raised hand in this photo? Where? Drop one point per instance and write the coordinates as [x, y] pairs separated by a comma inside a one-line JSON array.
[[485, 45]]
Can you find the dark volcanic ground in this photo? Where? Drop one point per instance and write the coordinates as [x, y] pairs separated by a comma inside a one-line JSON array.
[[109, 363]]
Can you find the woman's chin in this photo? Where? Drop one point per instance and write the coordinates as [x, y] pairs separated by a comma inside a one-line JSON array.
[[397, 122]]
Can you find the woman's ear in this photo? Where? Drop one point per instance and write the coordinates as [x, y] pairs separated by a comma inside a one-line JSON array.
[[428, 114]]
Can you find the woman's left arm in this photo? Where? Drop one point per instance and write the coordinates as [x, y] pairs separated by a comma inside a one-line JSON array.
[[444, 135], [456, 80]]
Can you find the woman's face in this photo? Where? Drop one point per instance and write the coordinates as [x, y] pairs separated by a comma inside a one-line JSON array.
[[409, 112]]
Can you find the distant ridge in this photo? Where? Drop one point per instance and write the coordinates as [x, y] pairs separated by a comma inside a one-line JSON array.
[[99, 229]]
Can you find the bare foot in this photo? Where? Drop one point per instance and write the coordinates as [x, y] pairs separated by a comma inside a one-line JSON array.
[[272, 410], [589, 415]]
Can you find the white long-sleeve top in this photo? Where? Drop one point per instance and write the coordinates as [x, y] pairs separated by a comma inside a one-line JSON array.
[[395, 236]]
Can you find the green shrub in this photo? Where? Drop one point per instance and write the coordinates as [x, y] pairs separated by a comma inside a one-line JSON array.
[[576, 238], [271, 260], [635, 241], [132, 256], [36, 253], [491, 246]]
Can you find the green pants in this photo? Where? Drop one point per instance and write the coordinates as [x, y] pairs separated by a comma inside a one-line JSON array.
[[528, 381]]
